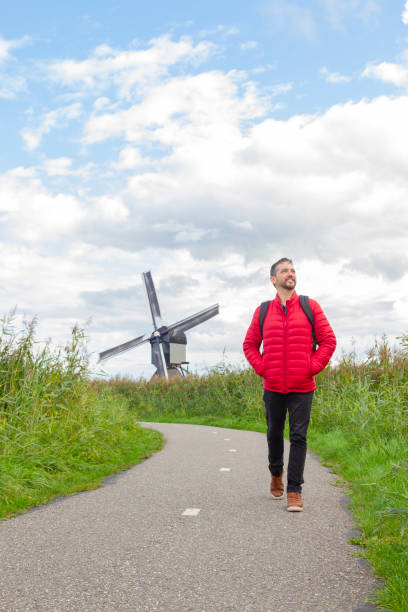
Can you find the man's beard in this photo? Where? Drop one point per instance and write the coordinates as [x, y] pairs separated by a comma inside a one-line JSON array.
[[288, 286]]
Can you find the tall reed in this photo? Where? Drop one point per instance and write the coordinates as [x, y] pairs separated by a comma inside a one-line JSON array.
[[56, 434]]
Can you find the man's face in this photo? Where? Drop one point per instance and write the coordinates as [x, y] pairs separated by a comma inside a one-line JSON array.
[[285, 276]]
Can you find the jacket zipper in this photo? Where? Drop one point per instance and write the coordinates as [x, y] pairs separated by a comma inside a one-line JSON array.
[[285, 315]]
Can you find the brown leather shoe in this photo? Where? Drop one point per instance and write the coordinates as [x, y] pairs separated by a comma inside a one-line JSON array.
[[295, 503], [277, 488]]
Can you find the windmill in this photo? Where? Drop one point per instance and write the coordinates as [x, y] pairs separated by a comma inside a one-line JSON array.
[[168, 343]]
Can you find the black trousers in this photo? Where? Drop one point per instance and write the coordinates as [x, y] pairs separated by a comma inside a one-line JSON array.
[[299, 406]]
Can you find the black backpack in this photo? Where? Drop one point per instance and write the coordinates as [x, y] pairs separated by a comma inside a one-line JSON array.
[[305, 304]]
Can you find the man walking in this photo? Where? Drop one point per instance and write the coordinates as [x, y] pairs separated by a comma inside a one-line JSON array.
[[288, 366]]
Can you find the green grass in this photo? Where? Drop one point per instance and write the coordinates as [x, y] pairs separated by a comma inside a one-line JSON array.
[[359, 427], [57, 435]]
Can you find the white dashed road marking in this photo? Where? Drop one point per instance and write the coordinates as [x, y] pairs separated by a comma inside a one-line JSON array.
[[225, 469], [191, 512], [232, 450], [227, 439]]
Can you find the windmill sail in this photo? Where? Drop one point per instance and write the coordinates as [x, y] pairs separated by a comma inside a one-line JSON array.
[[158, 358], [196, 319], [122, 348], [152, 297]]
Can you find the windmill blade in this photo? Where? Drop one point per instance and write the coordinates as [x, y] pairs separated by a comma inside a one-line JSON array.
[[158, 359], [152, 297], [196, 319], [121, 348]]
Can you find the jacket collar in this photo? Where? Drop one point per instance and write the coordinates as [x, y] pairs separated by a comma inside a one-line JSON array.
[[291, 301]]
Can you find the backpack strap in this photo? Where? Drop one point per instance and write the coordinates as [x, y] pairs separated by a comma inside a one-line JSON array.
[[305, 304], [262, 314]]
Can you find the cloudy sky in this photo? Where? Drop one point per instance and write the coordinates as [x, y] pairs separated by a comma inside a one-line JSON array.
[[203, 141]]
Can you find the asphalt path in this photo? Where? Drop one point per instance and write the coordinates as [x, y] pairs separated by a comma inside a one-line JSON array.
[[192, 528]]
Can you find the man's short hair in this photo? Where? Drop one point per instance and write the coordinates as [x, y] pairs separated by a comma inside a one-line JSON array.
[[274, 267]]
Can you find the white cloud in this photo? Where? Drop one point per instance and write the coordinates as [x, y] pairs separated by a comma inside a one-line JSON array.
[[219, 159], [59, 166], [31, 213], [53, 119], [243, 225], [262, 69], [339, 10], [280, 88], [220, 29], [110, 209], [101, 103], [290, 17], [388, 72], [333, 77], [20, 172], [336, 180], [12, 85], [184, 233], [131, 158], [7, 45], [249, 44], [183, 105], [127, 70], [231, 31], [405, 13]]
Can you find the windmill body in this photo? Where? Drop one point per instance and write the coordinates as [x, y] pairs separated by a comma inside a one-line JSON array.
[[168, 343]]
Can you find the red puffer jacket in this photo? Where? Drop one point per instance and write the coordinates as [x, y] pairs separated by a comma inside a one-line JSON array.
[[288, 362]]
